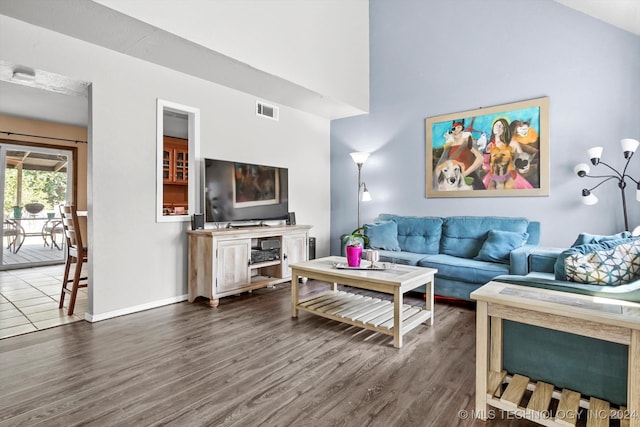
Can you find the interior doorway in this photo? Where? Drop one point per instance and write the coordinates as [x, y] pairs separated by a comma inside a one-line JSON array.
[[35, 181]]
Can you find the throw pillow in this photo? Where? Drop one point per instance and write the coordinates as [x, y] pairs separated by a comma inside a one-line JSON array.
[[383, 235], [499, 244], [586, 238], [560, 265], [607, 267]]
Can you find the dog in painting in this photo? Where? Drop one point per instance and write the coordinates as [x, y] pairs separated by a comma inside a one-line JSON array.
[[503, 171], [450, 176]]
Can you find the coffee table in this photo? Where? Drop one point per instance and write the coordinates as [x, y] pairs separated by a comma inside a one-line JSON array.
[[387, 317], [600, 318]]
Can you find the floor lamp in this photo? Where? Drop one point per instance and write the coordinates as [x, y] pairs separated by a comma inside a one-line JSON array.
[[359, 158], [629, 146]]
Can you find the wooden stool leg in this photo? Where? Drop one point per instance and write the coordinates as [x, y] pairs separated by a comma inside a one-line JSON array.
[[65, 280], [76, 284]]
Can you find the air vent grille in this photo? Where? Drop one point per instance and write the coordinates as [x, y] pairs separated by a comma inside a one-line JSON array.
[[266, 110]]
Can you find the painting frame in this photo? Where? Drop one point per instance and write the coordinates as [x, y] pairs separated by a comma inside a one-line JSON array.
[[451, 148], [255, 185]]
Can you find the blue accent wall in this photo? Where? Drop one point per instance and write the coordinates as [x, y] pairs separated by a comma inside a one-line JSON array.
[[432, 57]]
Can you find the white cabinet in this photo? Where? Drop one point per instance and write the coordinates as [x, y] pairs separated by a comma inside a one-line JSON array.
[[295, 249], [220, 260], [233, 264]]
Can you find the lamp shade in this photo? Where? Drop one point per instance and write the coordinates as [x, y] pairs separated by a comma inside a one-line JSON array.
[[581, 169], [595, 153], [359, 157], [629, 146], [366, 196], [588, 198]]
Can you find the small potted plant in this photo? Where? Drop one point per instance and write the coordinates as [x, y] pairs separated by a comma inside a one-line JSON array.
[[17, 212], [354, 243]]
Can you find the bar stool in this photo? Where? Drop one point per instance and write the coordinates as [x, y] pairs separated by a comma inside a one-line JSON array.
[[77, 254]]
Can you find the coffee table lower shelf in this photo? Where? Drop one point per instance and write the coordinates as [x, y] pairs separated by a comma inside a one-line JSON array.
[[547, 404], [366, 312]]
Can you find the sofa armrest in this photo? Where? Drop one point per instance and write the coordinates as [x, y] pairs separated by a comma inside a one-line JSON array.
[[544, 259], [519, 259]]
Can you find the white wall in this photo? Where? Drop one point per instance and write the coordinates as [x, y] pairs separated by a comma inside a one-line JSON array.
[[136, 262]]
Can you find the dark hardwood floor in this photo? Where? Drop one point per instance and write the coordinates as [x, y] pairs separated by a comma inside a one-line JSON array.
[[246, 363]]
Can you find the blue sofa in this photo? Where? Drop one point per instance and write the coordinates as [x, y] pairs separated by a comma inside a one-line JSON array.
[[468, 251], [590, 366]]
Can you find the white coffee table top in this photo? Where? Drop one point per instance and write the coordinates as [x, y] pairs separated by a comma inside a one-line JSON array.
[[394, 274]]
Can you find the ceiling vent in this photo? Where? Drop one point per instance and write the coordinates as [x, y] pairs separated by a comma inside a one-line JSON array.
[[266, 110]]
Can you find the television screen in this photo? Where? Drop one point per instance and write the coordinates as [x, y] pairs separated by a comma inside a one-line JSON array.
[[236, 191]]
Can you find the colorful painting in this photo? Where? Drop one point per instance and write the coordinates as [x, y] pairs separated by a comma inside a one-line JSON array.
[[255, 185], [488, 152]]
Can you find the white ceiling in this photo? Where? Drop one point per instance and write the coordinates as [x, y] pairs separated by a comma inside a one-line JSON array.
[[624, 14], [46, 96], [65, 101]]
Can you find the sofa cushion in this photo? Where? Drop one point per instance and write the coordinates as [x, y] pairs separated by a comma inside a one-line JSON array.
[[499, 245], [382, 235], [586, 238], [417, 234], [463, 269], [463, 236], [610, 262]]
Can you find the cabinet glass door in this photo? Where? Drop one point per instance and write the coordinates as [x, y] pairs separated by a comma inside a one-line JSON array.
[[166, 165], [181, 166]]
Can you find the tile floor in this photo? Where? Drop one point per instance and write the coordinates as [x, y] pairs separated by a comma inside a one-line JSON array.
[[29, 300]]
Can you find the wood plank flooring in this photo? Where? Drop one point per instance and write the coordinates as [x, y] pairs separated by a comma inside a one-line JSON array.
[[246, 363], [33, 252]]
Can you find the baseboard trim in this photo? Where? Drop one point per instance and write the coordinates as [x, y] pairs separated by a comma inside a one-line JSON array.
[[129, 310]]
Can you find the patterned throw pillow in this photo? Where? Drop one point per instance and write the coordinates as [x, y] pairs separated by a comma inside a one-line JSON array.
[[609, 267]]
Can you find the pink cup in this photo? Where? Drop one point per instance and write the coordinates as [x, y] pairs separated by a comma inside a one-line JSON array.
[[354, 253]]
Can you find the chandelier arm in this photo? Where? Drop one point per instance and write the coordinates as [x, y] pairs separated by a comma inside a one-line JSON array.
[[602, 176], [610, 167], [630, 177], [603, 181], [626, 165]]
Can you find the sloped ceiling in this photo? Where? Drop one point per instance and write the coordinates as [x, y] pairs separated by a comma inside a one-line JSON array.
[[100, 25], [624, 14], [132, 37]]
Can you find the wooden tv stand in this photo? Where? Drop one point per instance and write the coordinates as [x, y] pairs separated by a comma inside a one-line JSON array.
[[220, 259]]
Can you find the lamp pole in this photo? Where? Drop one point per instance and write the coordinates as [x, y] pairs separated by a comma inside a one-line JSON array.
[[359, 158], [622, 185], [359, 185]]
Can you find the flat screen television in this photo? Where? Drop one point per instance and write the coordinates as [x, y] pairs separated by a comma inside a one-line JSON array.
[[243, 192]]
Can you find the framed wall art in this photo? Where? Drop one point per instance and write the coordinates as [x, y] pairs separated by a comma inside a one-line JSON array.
[[255, 185], [489, 152]]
